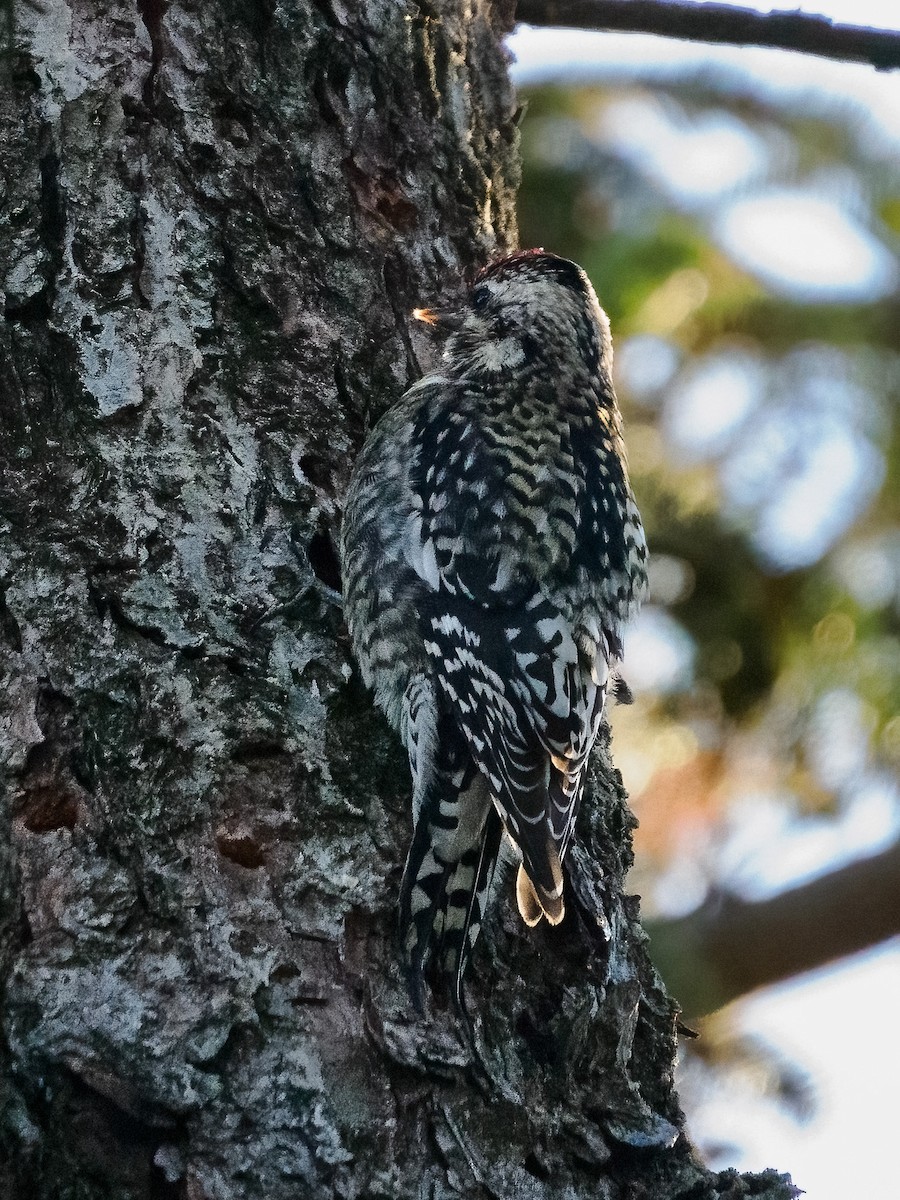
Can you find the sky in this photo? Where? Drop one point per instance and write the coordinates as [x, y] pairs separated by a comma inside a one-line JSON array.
[[839, 1024]]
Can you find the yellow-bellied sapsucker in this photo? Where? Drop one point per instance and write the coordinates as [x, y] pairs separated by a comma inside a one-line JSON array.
[[491, 551]]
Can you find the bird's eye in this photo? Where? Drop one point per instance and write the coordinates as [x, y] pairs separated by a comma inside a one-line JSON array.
[[480, 297]]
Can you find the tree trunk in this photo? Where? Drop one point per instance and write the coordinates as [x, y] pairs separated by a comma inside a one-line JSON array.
[[216, 219]]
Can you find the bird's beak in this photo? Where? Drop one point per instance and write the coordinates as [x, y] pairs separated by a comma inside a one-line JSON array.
[[441, 318]]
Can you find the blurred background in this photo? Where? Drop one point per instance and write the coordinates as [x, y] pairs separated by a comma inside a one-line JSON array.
[[738, 211]]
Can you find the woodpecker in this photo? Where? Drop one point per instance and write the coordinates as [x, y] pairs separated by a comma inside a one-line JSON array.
[[491, 553]]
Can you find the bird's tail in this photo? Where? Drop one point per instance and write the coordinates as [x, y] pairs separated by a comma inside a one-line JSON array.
[[449, 870], [539, 883], [536, 902]]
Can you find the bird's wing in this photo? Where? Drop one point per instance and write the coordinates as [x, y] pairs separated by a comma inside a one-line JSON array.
[[516, 683], [561, 675], [498, 526]]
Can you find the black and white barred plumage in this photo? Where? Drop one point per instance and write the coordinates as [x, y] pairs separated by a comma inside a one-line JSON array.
[[491, 552]]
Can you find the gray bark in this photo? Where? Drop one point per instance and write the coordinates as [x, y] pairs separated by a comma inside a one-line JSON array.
[[215, 220]]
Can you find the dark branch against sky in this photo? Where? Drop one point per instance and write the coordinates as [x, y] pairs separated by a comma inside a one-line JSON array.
[[723, 23], [730, 946]]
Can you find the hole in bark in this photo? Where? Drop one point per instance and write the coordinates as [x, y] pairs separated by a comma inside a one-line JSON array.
[[53, 214], [35, 308], [337, 74], [323, 558], [540, 1042], [283, 972], [259, 15], [241, 849], [9, 626], [111, 1134], [255, 749], [535, 1167], [152, 14], [383, 197], [49, 808], [162, 1188], [24, 77], [316, 470]]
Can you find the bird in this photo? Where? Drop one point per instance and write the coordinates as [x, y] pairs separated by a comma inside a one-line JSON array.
[[491, 554]]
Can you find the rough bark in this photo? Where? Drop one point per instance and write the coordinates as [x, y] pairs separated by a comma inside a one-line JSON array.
[[216, 218]]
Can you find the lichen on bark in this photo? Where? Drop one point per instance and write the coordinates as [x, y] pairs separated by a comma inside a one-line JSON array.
[[216, 219]]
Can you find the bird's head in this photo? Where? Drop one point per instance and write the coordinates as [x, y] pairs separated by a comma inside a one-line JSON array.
[[529, 308]]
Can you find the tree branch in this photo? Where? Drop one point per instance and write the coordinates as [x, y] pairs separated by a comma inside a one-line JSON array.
[[804, 32], [729, 946]]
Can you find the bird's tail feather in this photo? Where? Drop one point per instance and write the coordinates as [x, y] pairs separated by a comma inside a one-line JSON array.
[[448, 871]]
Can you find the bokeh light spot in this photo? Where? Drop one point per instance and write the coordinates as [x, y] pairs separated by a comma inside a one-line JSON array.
[[712, 402], [801, 244], [695, 158], [659, 652], [646, 364], [835, 633], [669, 305], [890, 738]]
